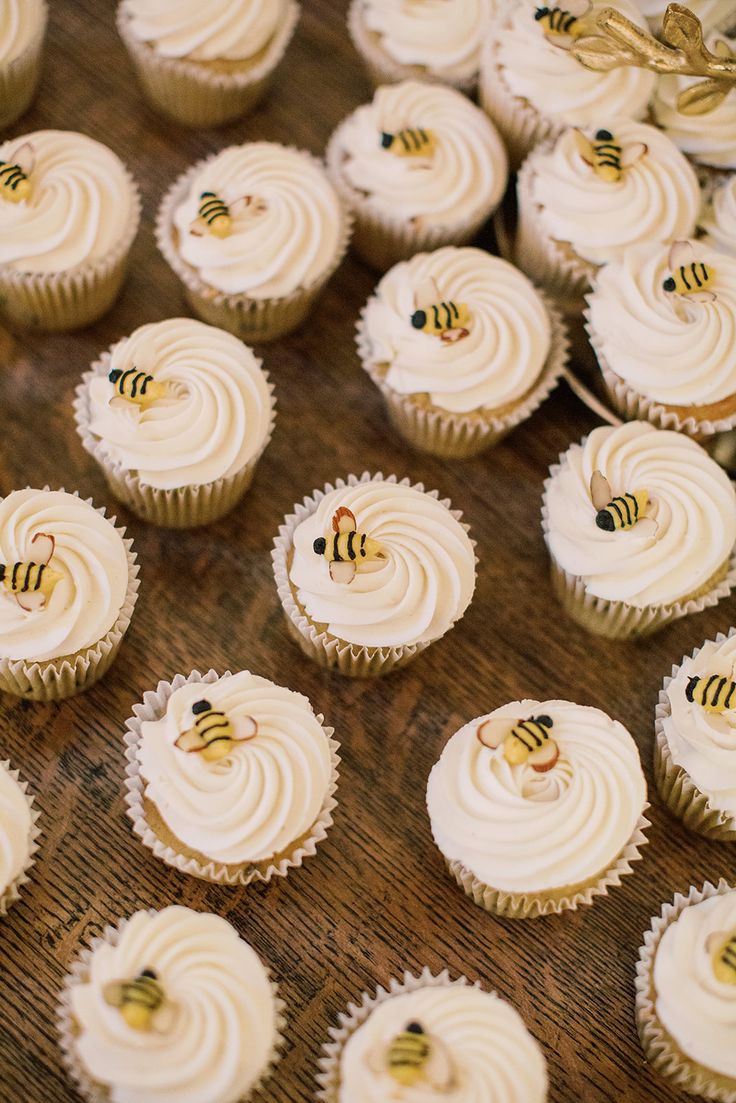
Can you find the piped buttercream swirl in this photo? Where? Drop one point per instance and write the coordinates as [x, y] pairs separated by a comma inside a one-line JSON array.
[[221, 1027], [16, 822], [227, 30], [692, 502], [20, 21], [508, 339], [518, 830], [719, 218]]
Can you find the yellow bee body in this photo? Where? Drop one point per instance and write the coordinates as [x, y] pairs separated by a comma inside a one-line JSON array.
[[560, 21], [136, 386], [605, 156], [440, 319], [344, 547], [215, 214], [213, 734], [724, 960], [15, 185], [713, 693], [523, 741], [526, 737], [32, 581], [623, 511], [407, 1055], [689, 279], [138, 999], [409, 142]]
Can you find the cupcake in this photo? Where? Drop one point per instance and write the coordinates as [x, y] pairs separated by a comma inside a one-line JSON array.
[[206, 64], [660, 548], [462, 347], [584, 200], [177, 415], [371, 571], [707, 139], [718, 220], [686, 993], [18, 835], [713, 14], [420, 166], [68, 216], [169, 1004], [695, 730], [230, 779], [426, 1037], [435, 42], [533, 87], [68, 587], [538, 807], [22, 31], [666, 356], [253, 233]]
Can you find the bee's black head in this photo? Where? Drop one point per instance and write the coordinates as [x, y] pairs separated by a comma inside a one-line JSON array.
[[414, 1028], [114, 375], [319, 546], [603, 136], [540, 13], [604, 520], [419, 319], [386, 140], [149, 973], [690, 689], [201, 706], [207, 195], [669, 284], [545, 721]]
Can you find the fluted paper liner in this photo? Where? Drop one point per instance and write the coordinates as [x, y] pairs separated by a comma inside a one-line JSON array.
[[56, 679], [383, 69], [182, 507], [11, 893], [351, 659], [153, 707], [460, 436], [660, 1049], [67, 1029], [248, 318], [676, 788], [328, 1078], [617, 620], [199, 94], [19, 77], [382, 239]]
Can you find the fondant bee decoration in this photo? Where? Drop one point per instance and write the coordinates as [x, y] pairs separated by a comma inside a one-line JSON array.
[[413, 1057], [215, 215], [713, 692], [689, 277], [563, 25], [135, 386], [15, 183], [213, 734], [523, 741], [622, 511], [140, 1000], [409, 142], [438, 317], [344, 547], [32, 581], [606, 157], [723, 948]]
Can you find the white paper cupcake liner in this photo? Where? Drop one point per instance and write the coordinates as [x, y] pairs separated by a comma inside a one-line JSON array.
[[676, 788], [383, 69], [460, 436], [328, 1078], [350, 659], [153, 707], [93, 1091], [197, 94], [56, 679], [617, 619], [659, 1048], [184, 507], [72, 299], [381, 239], [19, 78], [11, 893], [253, 320]]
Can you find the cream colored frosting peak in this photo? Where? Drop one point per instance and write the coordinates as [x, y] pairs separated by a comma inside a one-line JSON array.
[[16, 822], [20, 21], [719, 218], [228, 30]]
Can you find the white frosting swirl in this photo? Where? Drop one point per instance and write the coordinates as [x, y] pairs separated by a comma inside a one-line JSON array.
[[414, 594], [79, 209], [228, 30], [16, 823], [20, 21], [494, 1057], [656, 199], [212, 422], [693, 504], [719, 218], [557, 85], [465, 175], [274, 248], [89, 553], [222, 1025], [445, 36], [264, 795], [704, 743], [507, 344], [713, 14], [518, 830], [709, 139], [697, 1010], [674, 351]]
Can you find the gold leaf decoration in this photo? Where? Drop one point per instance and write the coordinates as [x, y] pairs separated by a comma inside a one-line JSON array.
[[702, 97]]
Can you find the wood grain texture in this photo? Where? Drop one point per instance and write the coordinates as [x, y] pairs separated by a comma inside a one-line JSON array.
[[376, 900]]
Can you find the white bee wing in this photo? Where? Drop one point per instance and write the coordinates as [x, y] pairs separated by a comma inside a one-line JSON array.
[[112, 993], [450, 336], [545, 757], [145, 360], [198, 227], [633, 153], [681, 254], [117, 402], [244, 727], [190, 741], [578, 8], [584, 147], [376, 1058], [492, 733], [25, 158], [43, 546], [600, 490], [646, 527], [715, 940], [343, 520], [702, 297], [439, 1070], [427, 293], [163, 1018], [32, 601], [342, 571]]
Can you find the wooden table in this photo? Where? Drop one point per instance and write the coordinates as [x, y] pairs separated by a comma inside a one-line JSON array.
[[376, 900]]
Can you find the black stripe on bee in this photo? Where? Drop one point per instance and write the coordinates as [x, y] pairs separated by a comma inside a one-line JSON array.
[[436, 315], [684, 278], [518, 733], [14, 580], [729, 695], [336, 548], [39, 577], [362, 544], [351, 552]]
